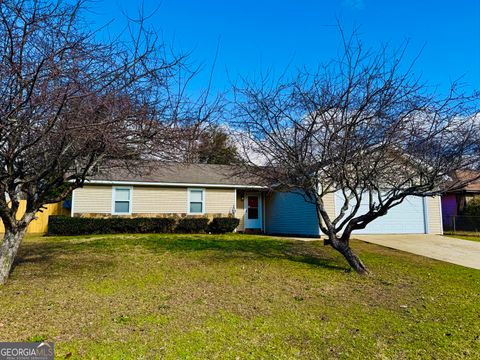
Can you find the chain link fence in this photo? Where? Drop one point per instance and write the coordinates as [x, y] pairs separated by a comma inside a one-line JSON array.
[[462, 224]]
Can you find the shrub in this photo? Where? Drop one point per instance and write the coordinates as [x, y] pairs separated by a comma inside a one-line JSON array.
[[473, 207], [192, 225], [223, 225], [64, 225], [156, 225]]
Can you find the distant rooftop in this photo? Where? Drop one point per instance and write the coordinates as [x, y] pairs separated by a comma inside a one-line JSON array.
[[465, 176]]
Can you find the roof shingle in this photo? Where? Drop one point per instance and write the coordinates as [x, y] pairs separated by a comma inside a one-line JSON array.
[[158, 172]]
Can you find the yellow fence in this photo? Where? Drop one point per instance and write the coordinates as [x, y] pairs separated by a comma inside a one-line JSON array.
[[40, 224]]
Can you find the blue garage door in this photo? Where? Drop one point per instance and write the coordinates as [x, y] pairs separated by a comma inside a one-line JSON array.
[[406, 218]]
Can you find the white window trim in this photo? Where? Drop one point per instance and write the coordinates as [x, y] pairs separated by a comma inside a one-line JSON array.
[[203, 201], [114, 188]]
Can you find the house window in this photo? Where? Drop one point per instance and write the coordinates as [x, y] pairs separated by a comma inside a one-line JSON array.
[[196, 201], [122, 200]]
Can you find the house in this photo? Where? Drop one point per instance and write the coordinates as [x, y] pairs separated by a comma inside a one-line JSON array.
[[455, 201], [220, 190]]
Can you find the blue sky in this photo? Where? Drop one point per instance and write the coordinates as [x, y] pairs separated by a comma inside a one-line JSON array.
[[258, 35]]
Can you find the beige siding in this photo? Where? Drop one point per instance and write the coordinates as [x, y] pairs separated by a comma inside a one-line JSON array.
[[150, 200], [240, 213], [93, 199], [219, 201], [329, 202], [159, 200], [434, 211]]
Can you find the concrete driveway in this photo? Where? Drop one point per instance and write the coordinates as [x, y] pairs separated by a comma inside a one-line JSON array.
[[455, 251]]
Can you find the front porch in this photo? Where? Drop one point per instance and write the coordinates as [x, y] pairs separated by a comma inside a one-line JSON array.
[[250, 210]]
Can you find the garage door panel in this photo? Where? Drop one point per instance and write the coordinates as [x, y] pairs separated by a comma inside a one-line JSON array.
[[406, 218]]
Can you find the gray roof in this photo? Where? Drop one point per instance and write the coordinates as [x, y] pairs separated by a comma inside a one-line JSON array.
[[158, 172]]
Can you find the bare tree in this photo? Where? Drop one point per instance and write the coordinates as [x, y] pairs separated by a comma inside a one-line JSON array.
[[69, 102], [194, 116], [364, 128]]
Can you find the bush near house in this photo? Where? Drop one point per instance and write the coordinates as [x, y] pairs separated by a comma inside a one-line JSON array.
[[222, 225], [64, 225], [192, 225], [473, 207]]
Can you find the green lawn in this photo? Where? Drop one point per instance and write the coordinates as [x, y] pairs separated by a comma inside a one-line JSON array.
[[464, 235], [236, 297]]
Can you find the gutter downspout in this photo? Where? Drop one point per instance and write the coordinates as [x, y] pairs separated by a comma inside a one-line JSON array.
[[264, 205], [72, 212]]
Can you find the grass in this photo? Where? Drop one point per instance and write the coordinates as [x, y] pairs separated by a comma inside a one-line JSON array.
[[464, 235], [236, 297]]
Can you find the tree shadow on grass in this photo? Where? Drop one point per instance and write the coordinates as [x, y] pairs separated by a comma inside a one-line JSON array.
[[60, 258], [259, 247], [219, 247]]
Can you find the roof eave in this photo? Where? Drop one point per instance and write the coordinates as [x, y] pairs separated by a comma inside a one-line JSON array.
[[173, 184]]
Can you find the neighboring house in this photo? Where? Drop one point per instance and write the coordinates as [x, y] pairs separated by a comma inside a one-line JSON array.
[[220, 190], [454, 202]]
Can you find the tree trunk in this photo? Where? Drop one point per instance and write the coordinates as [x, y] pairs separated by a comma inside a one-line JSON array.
[[8, 250], [353, 260]]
